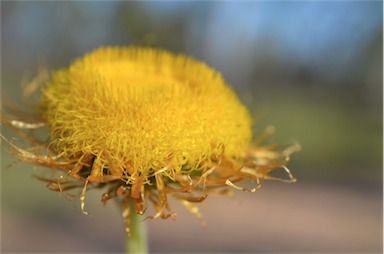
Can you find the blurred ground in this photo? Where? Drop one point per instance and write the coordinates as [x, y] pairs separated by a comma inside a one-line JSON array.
[[280, 218], [312, 69]]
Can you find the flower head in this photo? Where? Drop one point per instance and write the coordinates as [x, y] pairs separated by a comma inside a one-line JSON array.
[[147, 124]]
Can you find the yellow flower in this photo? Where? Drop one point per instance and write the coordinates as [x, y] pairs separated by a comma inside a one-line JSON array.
[[147, 124]]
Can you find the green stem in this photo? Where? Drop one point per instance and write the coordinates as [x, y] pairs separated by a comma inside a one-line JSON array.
[[136, 243]]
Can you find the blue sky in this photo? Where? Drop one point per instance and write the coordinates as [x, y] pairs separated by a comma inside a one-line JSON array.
[[311, 33]]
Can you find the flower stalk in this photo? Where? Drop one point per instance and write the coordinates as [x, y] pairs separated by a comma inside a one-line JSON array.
[[136, 237]]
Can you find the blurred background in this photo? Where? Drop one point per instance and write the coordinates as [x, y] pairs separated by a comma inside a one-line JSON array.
[[312, 69]]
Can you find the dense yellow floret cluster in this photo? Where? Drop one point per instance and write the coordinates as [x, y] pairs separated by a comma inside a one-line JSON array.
[[140, 110], [145, 124]]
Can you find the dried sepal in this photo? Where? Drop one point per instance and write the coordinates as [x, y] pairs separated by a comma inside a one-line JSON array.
[[51, 161], [217, 171]]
